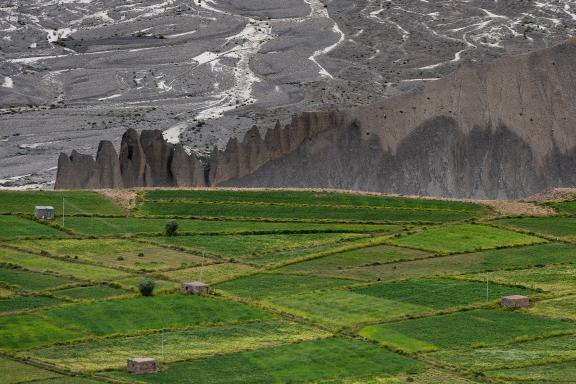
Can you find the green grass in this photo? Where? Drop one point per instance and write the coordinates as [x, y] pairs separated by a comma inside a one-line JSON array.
[[568, 207], [22, 303], [248, 247], [341, 308], [563, 308], [555, 278], [363, 257], [267, 285], [14, 227], [14, 372], [312, 197], [32, 330], [31, 281], [67, 380], [562, 227], [47, 264], [310, 213], [211, 274], [178, 345], [112, 226], [131, 283], [75, 203], [551, 373], [464, 238], [6, 293], [311, 361], [491, 260], [127, 254], [95, 292], [515, 355], [439, 293], [394, 339], [471, 328], [144, 313]]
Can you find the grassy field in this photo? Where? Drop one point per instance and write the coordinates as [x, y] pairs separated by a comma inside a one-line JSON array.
[[178, 345], [556, 348], [266, 285], [555, 278], [31, 281], [214, 273], [95, 292], [22, 303], [46, 264], [313, 198], [247, 246], [550, 373], [568, 207], [363, 257], [440, 293], [14, 227], [308, 287], [14, 372], [339, 308], [464, 238], [131, 315], [130, 226], [561, 227], [491, 260], [75, 203], [465, 329], [310, 361], [310, 212]]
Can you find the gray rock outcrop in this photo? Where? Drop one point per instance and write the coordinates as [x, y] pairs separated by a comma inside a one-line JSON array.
[[145, 160], [500, 130]]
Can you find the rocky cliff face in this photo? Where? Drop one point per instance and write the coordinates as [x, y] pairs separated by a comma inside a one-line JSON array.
[[501, 130], [145, 160]]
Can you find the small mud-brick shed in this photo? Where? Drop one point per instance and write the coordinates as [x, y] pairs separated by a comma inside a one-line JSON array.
[[515, 301], [44, 212], [195, 288], [142, 365]]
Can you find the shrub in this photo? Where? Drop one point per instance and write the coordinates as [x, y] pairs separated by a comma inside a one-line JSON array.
[[171, 228], [146, 287]]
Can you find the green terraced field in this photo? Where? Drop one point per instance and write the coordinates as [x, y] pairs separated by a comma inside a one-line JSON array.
[[178, 345], [46, 264], [310, 361], [272, 285], [464, 238], [363, 257], [31, 281], [313, 198], [330, 288], [115, 226], [96, 292], [130, 315], [75, 203], [440, 293], [465, 329], [248, 247], [562, 227], [539, 351], [14, 227], [568, 207], [547, 374], [23, 303], [309, 213], [492, 260], [14, 372]]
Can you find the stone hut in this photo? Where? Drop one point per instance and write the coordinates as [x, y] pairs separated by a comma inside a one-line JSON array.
[[142, 365], [44, 212], [515, 301], [195, 288]]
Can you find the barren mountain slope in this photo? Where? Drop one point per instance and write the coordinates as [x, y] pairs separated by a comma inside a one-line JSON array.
[[75, 72]]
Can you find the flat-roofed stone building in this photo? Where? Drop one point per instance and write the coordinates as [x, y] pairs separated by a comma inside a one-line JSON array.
[[141, 365], [44, 212], [515, 301], [195, 288]]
